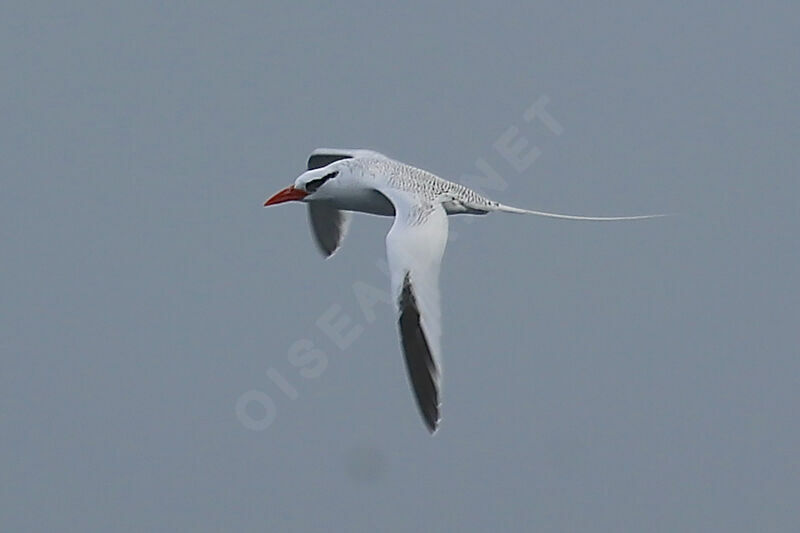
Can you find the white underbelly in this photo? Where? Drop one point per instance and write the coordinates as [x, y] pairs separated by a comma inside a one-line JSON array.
[[373, 202], [365, 201]]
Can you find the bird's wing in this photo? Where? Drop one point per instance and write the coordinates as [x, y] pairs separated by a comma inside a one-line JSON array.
[[329, 226], [322, 157], [414, 247]]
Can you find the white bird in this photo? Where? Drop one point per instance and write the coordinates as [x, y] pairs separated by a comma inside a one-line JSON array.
[[339, 181]]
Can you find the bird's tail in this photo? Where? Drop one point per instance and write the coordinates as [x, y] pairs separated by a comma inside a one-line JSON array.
[[516, 210]]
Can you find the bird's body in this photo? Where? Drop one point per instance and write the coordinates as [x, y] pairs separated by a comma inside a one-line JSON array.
[[340, 181], [371, 175]]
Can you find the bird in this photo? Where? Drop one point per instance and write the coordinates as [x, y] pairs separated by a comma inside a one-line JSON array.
[[338, 182]]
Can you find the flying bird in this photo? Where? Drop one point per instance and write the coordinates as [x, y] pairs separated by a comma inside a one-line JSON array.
[[340, 181]]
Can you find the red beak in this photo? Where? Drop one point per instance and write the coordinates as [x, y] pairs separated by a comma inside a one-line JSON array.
[[288, 194]]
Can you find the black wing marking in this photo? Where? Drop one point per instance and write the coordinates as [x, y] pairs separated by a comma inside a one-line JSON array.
[[421, 368], [323, 160]]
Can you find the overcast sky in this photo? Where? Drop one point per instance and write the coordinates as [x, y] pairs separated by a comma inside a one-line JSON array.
[[598, 377]]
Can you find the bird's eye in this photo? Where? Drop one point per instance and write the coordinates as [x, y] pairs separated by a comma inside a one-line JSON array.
[[313, 185]]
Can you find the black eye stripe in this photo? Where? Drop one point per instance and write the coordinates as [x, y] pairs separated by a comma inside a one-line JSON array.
[[313, 185]]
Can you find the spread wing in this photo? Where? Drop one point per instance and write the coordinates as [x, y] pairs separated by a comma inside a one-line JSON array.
[[322, 157], [415, 246], [328, 224]]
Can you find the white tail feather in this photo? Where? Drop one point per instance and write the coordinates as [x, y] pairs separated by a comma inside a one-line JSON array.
[[509, 209]]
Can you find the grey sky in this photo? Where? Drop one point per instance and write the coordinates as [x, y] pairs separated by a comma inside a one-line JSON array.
[[598, 377]]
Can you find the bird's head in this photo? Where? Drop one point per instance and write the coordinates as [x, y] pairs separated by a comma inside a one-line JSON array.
[[318, 184]]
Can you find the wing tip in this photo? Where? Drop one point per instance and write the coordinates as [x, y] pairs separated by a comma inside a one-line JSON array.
[[422, 370], [432, 423], [326, 253]]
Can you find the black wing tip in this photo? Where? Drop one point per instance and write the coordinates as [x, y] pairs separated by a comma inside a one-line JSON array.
[[419, 361], [324, 250], [432, 422]]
